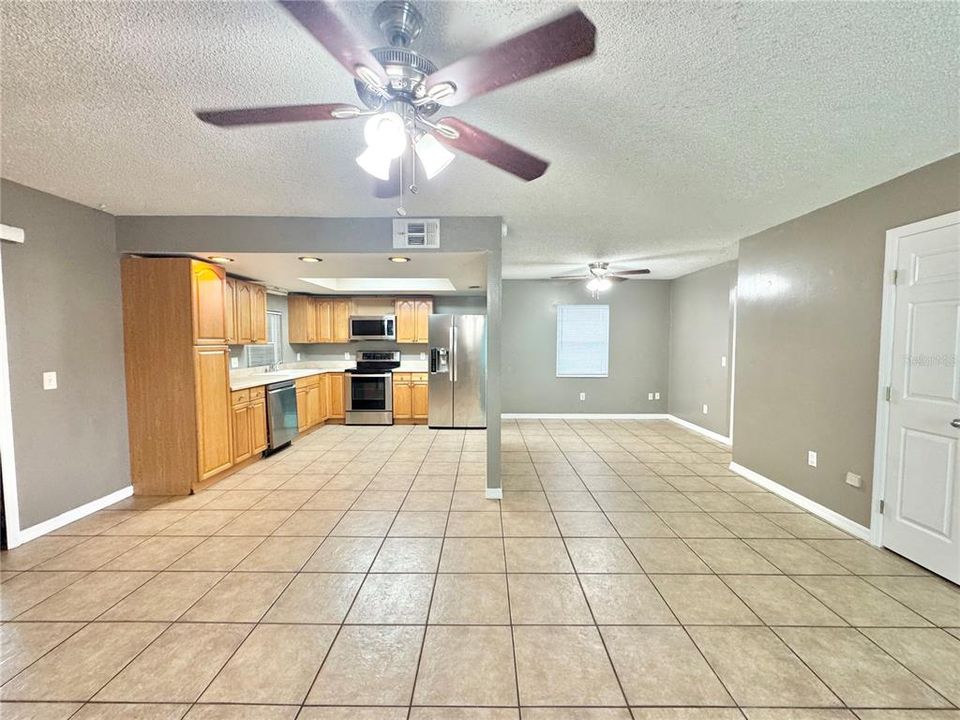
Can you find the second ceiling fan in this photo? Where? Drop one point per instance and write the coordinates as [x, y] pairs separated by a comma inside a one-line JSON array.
[[401, 90]]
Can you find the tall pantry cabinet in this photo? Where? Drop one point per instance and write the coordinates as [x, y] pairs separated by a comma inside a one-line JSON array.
[[177, 373]]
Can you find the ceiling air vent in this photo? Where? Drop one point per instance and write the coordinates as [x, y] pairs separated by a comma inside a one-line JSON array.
[[416, 233]]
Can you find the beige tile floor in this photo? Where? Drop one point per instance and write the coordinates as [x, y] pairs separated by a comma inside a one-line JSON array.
[[363, 575]]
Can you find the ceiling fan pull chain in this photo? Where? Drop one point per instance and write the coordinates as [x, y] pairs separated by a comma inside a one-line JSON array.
[[401, 210], [413, 174]]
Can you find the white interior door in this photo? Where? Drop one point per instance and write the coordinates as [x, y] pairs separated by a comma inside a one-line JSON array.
[[921, 517]]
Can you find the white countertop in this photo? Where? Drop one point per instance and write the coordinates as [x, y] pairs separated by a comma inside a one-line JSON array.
[[247, 380]]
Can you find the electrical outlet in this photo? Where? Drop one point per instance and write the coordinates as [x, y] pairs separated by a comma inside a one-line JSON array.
[[656, 396], [346, 355], [50, 380], [234, 363], [853, 480], [723, 361], [583, 396], [812, 458], [298, 357], [704, 409], [423, 356], [649, 396]]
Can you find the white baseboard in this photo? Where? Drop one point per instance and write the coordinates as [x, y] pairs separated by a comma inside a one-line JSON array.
[[584, 416], [702, 430], [822, 512], [70, 516], [494, 493]]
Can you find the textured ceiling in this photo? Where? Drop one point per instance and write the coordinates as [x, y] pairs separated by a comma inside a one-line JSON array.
[[694, 125]]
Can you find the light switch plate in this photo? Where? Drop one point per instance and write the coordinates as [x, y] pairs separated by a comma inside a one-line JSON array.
[[583, 396], [704, 409], [298, 357], [649, 396], [723, 361], [234, 363], [656, 396], [811, 458], [853, 480], [50, 380]]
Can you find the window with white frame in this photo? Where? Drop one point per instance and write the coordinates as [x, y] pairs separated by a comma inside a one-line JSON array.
[[583, 340]]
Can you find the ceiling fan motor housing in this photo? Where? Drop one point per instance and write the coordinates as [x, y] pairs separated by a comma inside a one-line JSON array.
[[406, 69]]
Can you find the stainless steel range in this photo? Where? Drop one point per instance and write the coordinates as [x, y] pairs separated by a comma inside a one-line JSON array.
[[369, 391]]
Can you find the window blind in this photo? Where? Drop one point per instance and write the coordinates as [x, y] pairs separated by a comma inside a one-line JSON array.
[[583, 340]]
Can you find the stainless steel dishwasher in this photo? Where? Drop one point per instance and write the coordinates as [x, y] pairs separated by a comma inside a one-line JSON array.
[[281, 414]]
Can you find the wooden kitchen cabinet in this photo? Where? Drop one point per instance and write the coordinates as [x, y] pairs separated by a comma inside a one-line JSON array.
[[208, 303], [324, 397], [342, 308], [410, 397], [413, 319], [302, 319], [302, 420], [258, 300], [244, 309], [214, 427], [421, 400], [249, 423], [324, 311], [179, 413], [230, 310], [335, 395]]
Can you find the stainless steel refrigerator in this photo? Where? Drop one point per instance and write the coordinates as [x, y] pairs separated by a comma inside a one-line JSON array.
[[458, 371]]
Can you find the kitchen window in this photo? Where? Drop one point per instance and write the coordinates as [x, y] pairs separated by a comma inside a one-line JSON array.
[[583, 340], [268, 353]]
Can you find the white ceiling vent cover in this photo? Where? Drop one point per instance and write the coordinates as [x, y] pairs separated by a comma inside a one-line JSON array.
[[416, 233]]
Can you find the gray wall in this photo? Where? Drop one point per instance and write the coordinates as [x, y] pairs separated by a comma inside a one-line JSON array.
[[808, 336], [63, 313], [701, 312], [187, 234], [639, 348]]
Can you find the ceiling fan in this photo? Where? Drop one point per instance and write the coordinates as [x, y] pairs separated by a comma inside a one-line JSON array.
[[599, 277], [400, 89]]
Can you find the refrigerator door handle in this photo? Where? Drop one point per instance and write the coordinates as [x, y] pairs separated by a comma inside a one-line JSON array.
[[452, 361], [456, 358]]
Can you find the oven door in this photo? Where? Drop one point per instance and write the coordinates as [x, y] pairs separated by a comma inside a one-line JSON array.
[[383, 327], [371, 392]]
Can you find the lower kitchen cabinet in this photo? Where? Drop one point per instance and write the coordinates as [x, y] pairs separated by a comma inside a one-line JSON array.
[[335, 395], [249, 423], [214, 428], [411, 400]]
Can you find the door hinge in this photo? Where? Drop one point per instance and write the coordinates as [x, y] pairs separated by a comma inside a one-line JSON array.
[[882, 505], [896, 276], [887, 393]]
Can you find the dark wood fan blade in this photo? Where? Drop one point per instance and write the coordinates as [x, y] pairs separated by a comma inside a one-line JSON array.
[[493, 150], [568, 38], [325, 24], [644, 271], [266, 115]]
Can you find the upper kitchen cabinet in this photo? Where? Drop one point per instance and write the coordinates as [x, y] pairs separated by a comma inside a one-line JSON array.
[[413, 319], [314, 319], [229, 304], [302, 319], [342, 308], [208, 303], [247, 304]]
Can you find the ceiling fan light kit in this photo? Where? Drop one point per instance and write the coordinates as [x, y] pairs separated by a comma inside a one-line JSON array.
[[402, 89], [600, 278]]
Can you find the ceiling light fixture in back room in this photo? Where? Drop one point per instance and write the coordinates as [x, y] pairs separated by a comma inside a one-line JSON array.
[[402, 89]]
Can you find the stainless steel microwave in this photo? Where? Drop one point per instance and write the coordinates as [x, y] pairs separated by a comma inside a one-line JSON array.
[[373, 327]]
